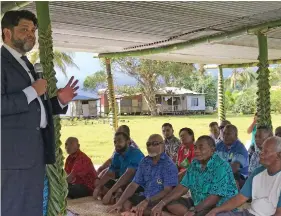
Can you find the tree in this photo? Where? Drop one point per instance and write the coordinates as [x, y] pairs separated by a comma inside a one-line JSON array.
[[96, 81], [61, 60], [241, 79], [151, 75]]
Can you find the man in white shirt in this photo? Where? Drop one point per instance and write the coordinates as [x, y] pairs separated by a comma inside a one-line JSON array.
[[263, 186], [28, 134]]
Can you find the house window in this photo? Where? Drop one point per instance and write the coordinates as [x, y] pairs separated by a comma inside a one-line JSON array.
[[194, 102]]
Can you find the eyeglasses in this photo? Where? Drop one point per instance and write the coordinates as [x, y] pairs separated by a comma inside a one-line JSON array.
[[221, 127], [156, 143]]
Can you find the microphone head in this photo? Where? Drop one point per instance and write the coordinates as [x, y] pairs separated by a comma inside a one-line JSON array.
[[38, 68]]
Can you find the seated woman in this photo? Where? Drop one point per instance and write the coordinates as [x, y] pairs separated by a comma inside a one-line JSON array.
[[186, 151], [209, 179]]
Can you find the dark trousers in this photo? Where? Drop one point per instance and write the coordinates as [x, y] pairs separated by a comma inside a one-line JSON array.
[[22, 191], [77, 191]]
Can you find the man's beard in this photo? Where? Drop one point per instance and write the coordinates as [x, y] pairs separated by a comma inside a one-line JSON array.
[[22, 45], [121, 150]]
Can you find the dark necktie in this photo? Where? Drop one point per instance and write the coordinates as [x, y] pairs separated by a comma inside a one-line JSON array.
[[30, 66]]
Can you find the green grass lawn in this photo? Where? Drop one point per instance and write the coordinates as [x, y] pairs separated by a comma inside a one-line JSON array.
[[96, 137]]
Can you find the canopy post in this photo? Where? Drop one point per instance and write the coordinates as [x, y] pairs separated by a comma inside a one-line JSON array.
[[55, 173], [221, 101], [263, 93], [111, 95]]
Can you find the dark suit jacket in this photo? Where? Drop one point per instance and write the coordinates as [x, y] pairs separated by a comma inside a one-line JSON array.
[[24, 144]]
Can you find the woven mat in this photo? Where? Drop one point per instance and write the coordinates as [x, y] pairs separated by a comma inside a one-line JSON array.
[[86, 206]]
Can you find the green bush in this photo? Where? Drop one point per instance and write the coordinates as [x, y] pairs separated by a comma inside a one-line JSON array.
[[275, 98]]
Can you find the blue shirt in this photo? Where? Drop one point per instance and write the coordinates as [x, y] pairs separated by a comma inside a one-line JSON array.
[[254, 162], [236, 153], [154, 177], [130, 159], [216, 179]]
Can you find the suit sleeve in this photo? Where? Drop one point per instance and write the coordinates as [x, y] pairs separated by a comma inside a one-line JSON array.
[[56, 107], [12, 103]]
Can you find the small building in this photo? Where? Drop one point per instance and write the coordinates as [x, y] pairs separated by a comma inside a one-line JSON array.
[[126, 104], [83, 106], [173, 100]]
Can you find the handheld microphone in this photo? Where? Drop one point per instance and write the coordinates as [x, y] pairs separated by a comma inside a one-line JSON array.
[[39, 72]]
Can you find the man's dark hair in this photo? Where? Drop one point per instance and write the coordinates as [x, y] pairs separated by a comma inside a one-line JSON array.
[[167, 125], [12, 19], [189, 131], [126, 136], [126, 129], [265, 129], [209, 140], [232, 127], [212, 124]]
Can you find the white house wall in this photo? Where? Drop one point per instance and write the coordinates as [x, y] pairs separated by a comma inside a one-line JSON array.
[[201, 102]]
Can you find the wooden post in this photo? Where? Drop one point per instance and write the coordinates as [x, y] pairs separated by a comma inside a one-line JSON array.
[[111, 95], [55, 173], [221, 107], [263, 93]]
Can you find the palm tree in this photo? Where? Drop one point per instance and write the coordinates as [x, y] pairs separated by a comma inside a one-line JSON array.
[[240, 79], [61, 60]]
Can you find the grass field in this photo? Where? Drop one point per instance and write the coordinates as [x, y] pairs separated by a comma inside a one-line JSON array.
[[96, 137]]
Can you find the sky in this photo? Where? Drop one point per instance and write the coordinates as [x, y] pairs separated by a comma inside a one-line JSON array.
[[88, 65]]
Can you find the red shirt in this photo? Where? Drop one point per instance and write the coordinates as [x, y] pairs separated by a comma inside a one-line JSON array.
[[183, 154], [82, 168]]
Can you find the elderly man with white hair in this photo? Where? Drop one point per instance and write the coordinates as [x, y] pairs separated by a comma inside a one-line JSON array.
[[263, 186]]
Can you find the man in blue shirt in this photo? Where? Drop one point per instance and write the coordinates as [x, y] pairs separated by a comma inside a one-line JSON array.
[[263, 186], [124, 165], [234, 152], [157, 174]]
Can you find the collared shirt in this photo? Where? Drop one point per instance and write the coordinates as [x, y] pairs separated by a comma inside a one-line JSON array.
[[217, 140], [185, 157], [82, 168], [130, 159], [132, 143], [152, 177], [171, 146], [236, 153], [30, 92], [216, 179], [254, 162], [264, 190]]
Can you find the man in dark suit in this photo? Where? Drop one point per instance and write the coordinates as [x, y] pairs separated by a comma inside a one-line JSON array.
[[28, 136]]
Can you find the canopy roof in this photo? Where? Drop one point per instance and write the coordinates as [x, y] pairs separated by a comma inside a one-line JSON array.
[[213, 32]]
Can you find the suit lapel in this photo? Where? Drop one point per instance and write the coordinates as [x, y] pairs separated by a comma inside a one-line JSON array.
[[19, 68]]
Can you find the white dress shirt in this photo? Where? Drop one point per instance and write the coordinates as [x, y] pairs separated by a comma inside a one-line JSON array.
[[30, 92]]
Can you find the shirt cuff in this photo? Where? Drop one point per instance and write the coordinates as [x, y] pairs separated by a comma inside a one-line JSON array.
[[61, 105], [30, 94]]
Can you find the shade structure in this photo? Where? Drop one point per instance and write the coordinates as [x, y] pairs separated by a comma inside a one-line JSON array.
[[216, 32]]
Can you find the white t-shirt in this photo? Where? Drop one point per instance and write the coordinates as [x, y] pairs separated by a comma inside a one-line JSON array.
[[265, 191]]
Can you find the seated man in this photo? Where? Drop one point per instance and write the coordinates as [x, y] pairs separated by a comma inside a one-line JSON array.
[[157, 174], [278, 131], [171, 143], [210, 180], [263, 186], [222, 126], [103, 168], [215, 132], [262, 134], [81, 174], [124, 164], [234, 152]]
